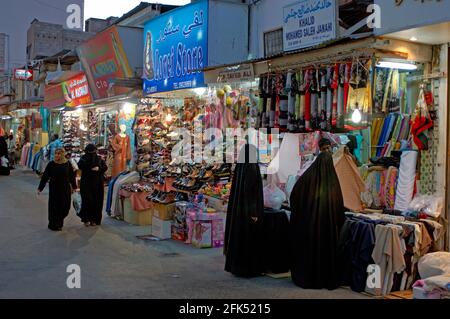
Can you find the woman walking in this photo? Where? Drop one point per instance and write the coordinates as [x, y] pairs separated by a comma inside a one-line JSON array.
[[62, 184], [92, 186]]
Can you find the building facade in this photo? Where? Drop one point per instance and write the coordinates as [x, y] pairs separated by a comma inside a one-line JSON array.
[[46, 39]]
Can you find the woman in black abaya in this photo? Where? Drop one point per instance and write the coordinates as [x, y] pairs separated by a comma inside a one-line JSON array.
[[244, 228], [92, 187], [62, 183], [317, 217]]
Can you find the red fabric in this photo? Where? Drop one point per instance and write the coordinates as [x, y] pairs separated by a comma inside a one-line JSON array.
[[348, 68], [308, 98], [419, 125]]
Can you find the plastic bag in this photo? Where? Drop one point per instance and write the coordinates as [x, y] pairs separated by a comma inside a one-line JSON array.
[[4, 162], [431, 205], [292, 180], [273, 195], [76, 202]]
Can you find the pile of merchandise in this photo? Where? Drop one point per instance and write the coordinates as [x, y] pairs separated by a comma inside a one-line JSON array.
[[74, 138]]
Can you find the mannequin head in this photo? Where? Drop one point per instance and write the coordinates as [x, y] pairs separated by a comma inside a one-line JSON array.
[[123, 129]]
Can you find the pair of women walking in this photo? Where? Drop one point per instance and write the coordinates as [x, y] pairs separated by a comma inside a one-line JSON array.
[[61, 177]]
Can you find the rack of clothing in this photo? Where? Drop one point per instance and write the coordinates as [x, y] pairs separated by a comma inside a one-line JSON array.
[[393, 242], [113, 204]]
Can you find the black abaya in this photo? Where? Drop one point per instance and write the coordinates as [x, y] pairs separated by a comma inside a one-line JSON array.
[[62, 180], [244, 224], [92, 188], [3, 153], [317, 217]]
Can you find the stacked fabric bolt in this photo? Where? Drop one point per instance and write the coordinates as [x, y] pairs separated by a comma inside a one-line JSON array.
[[388, 133]]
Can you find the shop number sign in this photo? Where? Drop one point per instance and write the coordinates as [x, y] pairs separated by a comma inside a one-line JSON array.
[[308, 23], [175, 49]]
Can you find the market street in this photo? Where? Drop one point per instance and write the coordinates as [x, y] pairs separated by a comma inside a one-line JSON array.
[[114, 263]]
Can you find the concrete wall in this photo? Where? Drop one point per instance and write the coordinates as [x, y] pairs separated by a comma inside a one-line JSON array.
[[16, 16], [3, 53], [134, 47], [227, 33], [410, 14], [47, 39], [266, 15]]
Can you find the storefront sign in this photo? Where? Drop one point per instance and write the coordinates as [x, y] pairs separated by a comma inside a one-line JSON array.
[[73, 92], [308, 23], [104, 59], [23, 74], [237, 73], [399, 15], [176, 49]]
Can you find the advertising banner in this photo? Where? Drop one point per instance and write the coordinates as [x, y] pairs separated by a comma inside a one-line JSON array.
[[73, 92], [176, 48], [103, 59], [308, 23]]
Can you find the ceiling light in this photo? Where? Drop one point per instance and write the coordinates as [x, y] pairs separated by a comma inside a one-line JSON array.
[[413, 39], [397, 65]]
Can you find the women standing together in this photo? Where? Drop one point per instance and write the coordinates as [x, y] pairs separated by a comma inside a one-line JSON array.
[[62, 183]]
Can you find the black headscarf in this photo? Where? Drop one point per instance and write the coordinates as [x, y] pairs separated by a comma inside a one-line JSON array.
[[317, 216]]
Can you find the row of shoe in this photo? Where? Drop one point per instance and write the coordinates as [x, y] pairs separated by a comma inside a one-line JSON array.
[[167, 197], [137, 188], [188, 184]]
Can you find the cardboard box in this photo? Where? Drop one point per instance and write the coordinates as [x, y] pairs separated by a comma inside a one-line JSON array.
[[202, 234], [218, 204], [218, 233], [179, 233], [163, 211], [143, 218], [161, 228]]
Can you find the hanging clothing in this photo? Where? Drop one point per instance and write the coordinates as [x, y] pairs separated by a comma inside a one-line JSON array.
[[350, 180], [116, 207], [62, 181], [122, 153], [92, 188], [244, 224], [317, 217], [110, 192]]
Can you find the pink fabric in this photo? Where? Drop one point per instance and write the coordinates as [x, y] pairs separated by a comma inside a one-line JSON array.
[[139, 201]]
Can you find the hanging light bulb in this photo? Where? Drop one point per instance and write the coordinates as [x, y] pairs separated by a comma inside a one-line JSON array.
[[356, 116]]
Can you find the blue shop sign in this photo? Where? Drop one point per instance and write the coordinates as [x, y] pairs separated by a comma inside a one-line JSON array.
[[176, 48]]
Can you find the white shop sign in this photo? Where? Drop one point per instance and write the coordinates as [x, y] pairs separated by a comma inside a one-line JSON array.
[[308, 23], [398, 15]]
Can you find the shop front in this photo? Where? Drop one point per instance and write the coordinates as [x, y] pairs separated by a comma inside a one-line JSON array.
[[180, 126]]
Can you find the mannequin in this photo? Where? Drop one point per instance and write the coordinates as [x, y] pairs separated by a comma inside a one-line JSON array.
[[122, 151]]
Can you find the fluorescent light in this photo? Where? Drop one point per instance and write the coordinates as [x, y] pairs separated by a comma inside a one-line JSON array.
[[413, 39], [397, 65]]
